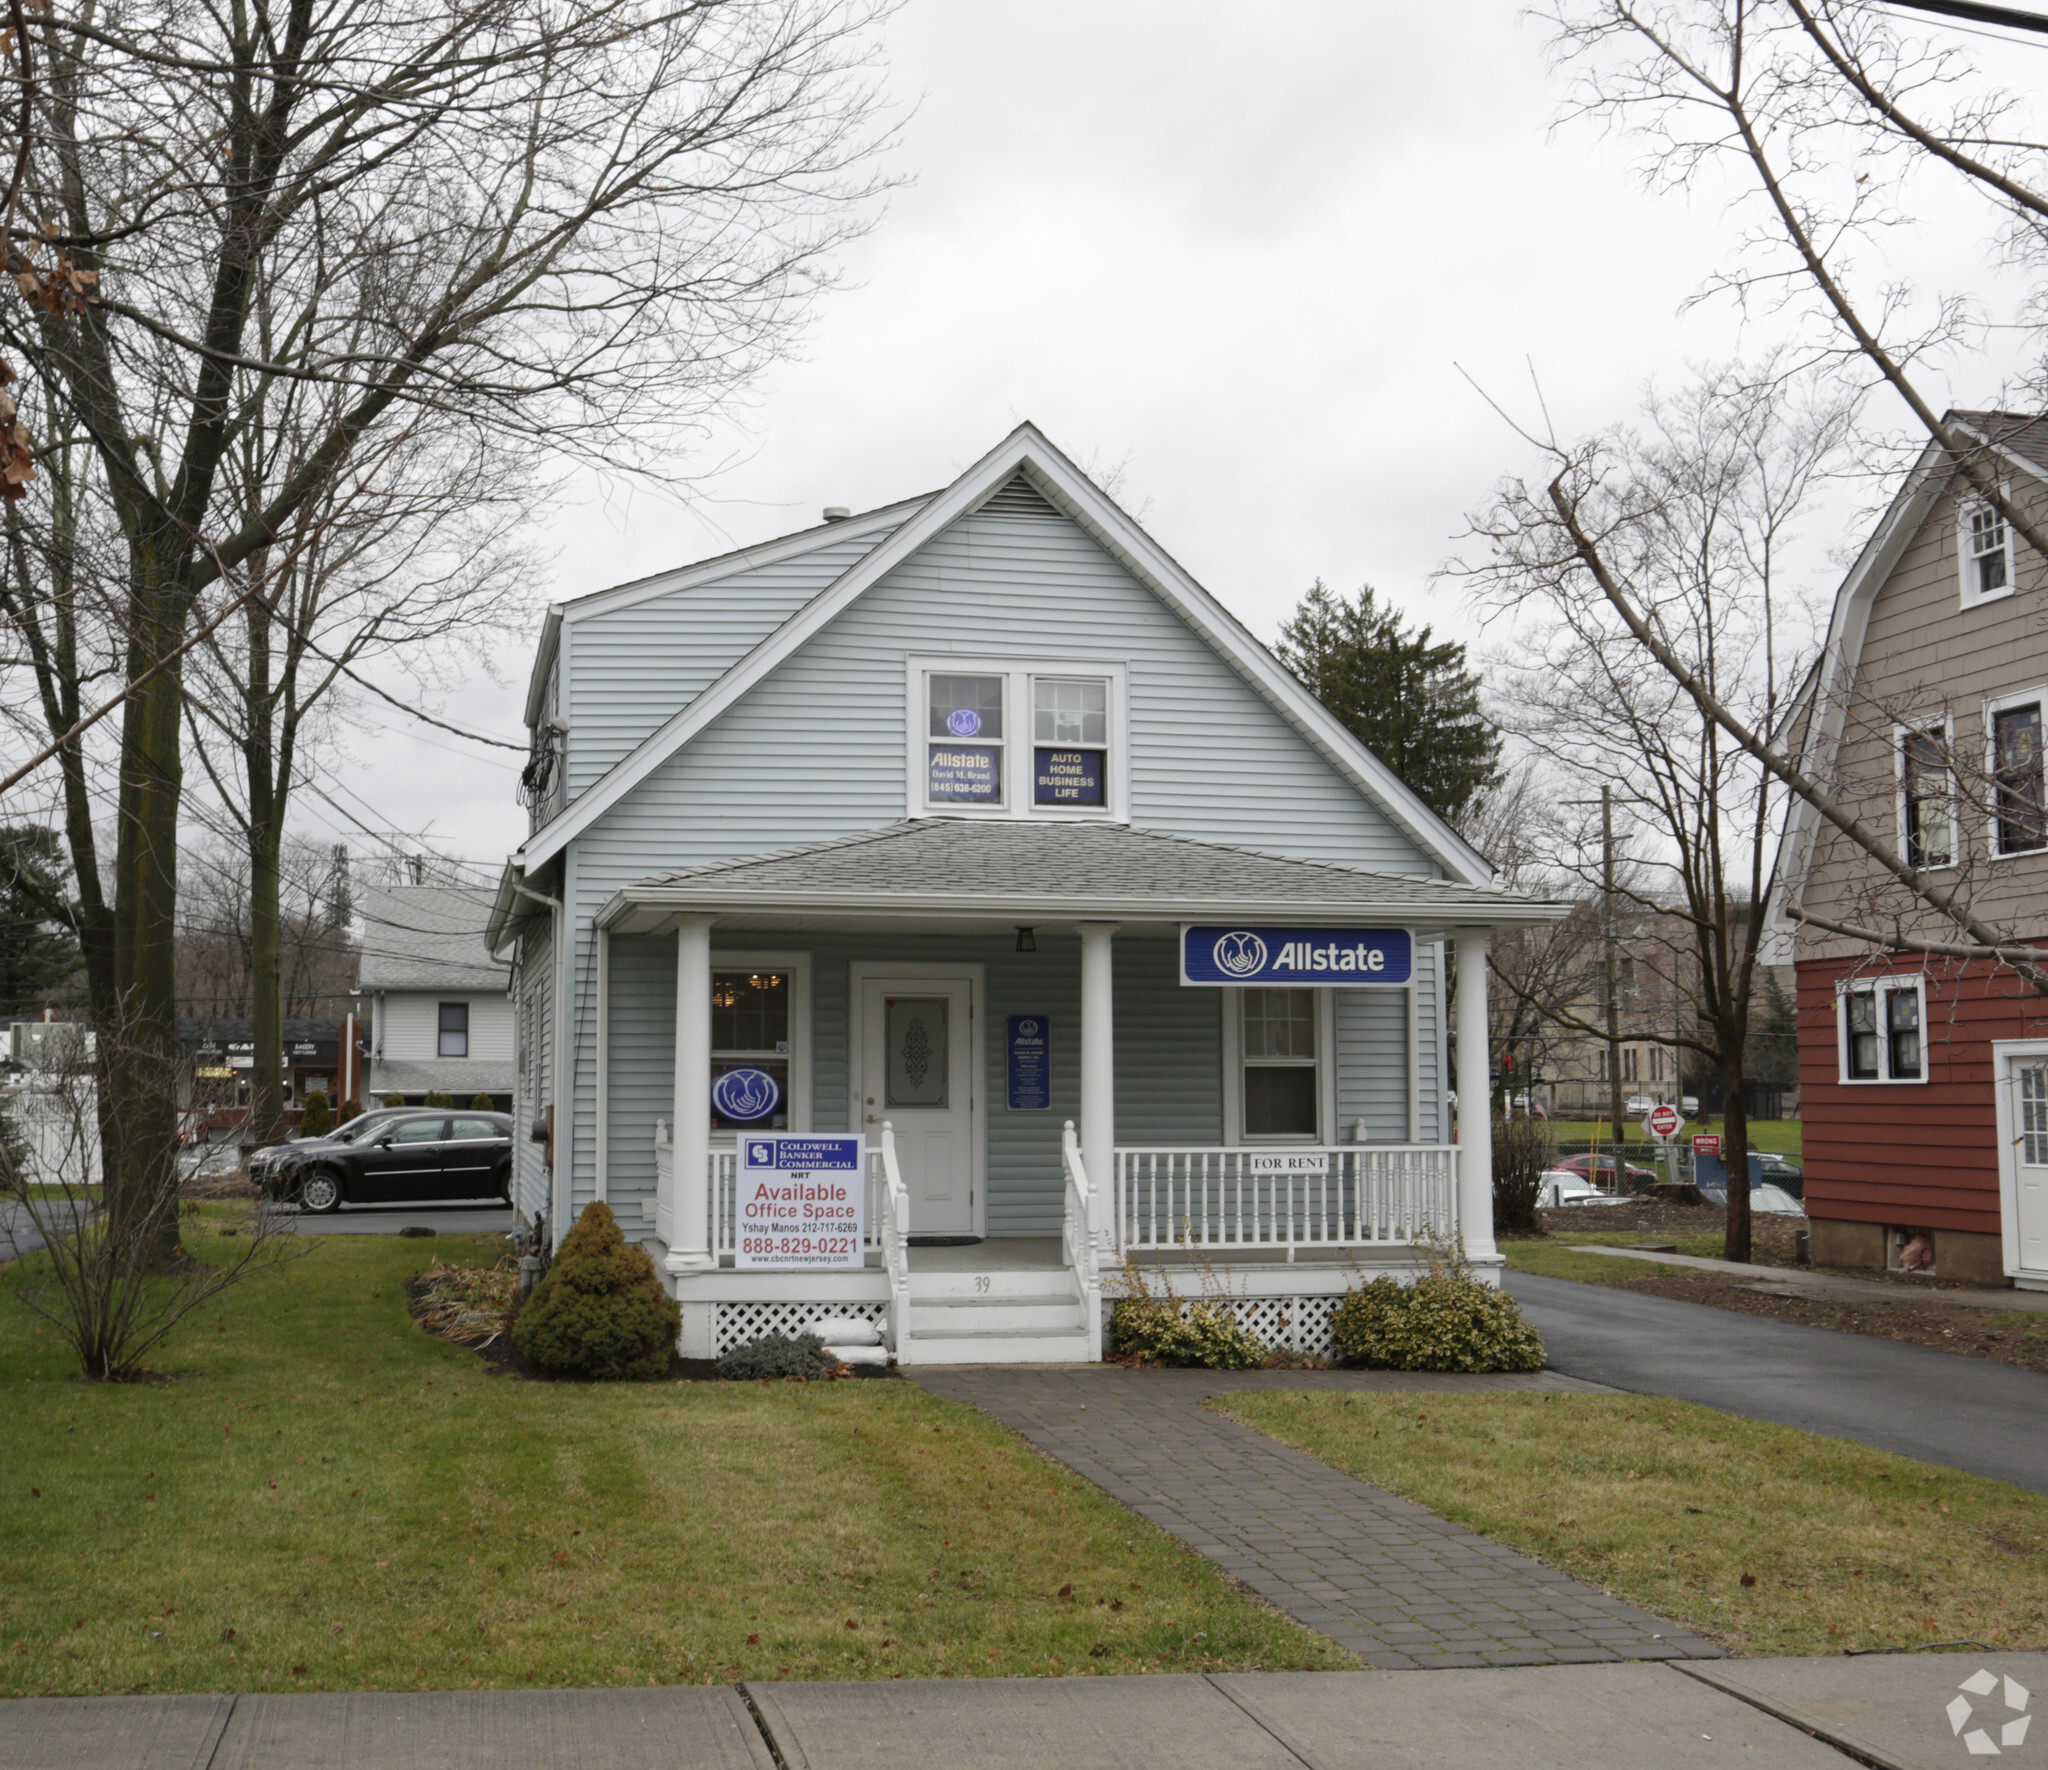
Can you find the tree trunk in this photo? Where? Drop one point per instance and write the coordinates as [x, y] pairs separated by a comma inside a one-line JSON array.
[[1735, 1151], [139, 1066], [266, 969]]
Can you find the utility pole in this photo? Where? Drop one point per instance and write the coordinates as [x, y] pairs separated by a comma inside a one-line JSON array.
[[1613, 975]]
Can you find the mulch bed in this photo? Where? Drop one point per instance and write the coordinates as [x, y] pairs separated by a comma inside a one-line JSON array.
[[436, 1303], [1917, 1317]]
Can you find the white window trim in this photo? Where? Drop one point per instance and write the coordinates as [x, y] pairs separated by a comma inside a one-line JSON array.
[[1888, 984], [1965, 560], [798, 965], [1992, 708], [1017, 740], [2003, 1052], [1946, 724], [1233, 1074]]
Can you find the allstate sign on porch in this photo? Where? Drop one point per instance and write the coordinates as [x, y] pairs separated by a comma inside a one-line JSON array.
[[1296, 956], [799, 1201]]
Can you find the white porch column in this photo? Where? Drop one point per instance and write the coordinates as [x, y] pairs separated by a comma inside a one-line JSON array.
[[1475, 1116], [1098, 1072], [691, 1250]]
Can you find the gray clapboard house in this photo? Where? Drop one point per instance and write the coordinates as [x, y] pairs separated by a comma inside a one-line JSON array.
[[440, 1018], [973, 825]]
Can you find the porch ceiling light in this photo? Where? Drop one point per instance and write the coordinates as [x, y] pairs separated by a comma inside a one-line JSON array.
[[1027, 941]]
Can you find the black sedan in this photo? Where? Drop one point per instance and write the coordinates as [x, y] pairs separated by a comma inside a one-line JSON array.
[[400, 1157]]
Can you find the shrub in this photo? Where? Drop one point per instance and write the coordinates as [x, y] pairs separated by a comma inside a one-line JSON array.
[[1208, 1337], [600, 1311], [482, 1103], [316, 1120], [394, 1099], [1521, 1151], [777, 1355], [436, 1098], [1445, 1321], [348, 1109]]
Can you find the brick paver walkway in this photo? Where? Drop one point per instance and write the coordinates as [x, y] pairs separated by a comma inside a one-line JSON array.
[[1399, 1586]]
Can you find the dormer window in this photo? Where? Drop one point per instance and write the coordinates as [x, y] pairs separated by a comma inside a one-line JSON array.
[[1064, 757], [1985, 548]]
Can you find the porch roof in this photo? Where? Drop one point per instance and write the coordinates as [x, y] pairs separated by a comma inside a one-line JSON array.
[[999, 871]]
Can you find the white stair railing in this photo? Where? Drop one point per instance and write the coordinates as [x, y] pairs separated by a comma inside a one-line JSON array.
[[1079, 1239], [895, 1238]]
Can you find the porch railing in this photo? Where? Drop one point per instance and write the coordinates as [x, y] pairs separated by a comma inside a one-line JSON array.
[[1084, 1256], [1340, 1196], [891, 1219]]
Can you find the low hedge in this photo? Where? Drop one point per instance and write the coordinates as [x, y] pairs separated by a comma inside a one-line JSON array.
[[1207, 1337], [1445, 1321]]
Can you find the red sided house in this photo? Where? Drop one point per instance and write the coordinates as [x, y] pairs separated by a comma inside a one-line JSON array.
[[1923, 1075]]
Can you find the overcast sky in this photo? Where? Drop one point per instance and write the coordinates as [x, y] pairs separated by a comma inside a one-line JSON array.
[[1238, 253]]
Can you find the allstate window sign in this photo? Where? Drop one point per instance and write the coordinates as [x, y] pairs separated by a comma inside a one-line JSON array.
[[1275, 957], [746, 1096]]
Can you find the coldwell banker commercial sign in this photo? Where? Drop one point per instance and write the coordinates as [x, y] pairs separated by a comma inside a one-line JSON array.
[[799, 1201], [1294, 956]]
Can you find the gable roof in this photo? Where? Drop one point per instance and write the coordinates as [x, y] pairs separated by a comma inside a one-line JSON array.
[[969, 867], [2019, 439], [427, 937], [1026, 451]]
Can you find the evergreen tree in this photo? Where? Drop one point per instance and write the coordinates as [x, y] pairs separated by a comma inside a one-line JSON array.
[[38, 950], [1411, 701]]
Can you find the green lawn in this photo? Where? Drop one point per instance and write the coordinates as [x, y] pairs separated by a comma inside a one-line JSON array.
[[1777, 1136], [1766, 1539], [324, 1497]]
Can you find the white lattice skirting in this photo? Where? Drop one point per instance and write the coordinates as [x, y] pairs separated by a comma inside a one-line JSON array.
[[1285, 1324], [740, 1322]]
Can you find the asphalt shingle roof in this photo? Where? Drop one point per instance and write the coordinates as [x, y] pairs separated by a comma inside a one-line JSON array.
[[2026, 436], [427, 937], [964, 860]]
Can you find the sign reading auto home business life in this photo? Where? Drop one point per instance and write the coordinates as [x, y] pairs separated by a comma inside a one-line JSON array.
[[1344, 957], [799, 1202]]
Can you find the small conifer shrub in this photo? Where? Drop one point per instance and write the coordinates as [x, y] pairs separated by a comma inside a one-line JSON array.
[[600, 1311], [316, 1120], [1445, 1321], [779, 1355], [436, 1098], [394, 1099], [348, 1109], [482, 1103]]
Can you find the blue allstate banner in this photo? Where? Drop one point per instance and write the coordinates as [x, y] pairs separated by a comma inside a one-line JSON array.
[[1291, 957]]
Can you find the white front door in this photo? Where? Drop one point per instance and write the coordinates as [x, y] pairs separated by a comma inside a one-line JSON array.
[[2028, 1079], [917, 1073]]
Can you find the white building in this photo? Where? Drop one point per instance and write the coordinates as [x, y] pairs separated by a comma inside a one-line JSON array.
[[973, 826], [440, 1018]]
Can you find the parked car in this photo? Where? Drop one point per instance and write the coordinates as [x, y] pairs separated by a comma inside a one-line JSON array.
[[1764, 1197], [1560, 1186], [1598, 1170], [194, 1128], [273, 1158], [1777, 1171], [396, 1155]]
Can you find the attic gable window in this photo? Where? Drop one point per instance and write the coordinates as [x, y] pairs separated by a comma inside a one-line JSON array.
[[1011, 740], [1986, 552], [1927, 795]]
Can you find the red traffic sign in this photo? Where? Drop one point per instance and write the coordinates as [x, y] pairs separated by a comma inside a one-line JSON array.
[[1707, 1143], [1664, 1120]]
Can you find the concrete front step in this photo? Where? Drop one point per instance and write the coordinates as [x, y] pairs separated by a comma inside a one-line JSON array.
[[1054, 1311], [1022, 1281], [993, 1346]]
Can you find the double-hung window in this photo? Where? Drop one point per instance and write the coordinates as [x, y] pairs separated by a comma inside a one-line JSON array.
[[1927, 795], [1986, 552], [1280, 1059], [750, 1021], [454, 1030], [1881, 1025], [2019, 822], [1016, 740]]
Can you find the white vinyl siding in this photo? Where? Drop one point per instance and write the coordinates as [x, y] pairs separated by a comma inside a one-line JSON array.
[[410, 1029]]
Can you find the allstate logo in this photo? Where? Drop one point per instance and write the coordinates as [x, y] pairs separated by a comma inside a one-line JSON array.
[[963, 722], [1239, 954], [744, 1095], [1027, 1029]]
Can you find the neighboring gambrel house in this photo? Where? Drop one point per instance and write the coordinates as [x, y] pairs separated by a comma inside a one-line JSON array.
[[1923, 1074], [975, 828]]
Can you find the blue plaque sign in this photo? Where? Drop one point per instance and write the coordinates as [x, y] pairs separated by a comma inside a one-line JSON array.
[[1066, 777], [1291, 957], [746, 1095], [1030, 1062], [964, 775]]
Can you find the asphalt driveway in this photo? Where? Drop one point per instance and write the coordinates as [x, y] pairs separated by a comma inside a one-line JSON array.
[[1964, 1413]]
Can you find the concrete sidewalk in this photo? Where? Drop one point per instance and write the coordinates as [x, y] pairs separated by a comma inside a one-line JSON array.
[[1832, 1287], [1899, 1713]]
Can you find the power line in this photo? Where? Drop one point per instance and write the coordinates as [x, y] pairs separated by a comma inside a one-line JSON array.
[[1979, 13]]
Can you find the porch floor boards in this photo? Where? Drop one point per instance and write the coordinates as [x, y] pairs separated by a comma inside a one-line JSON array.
[[1399, 1586]]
